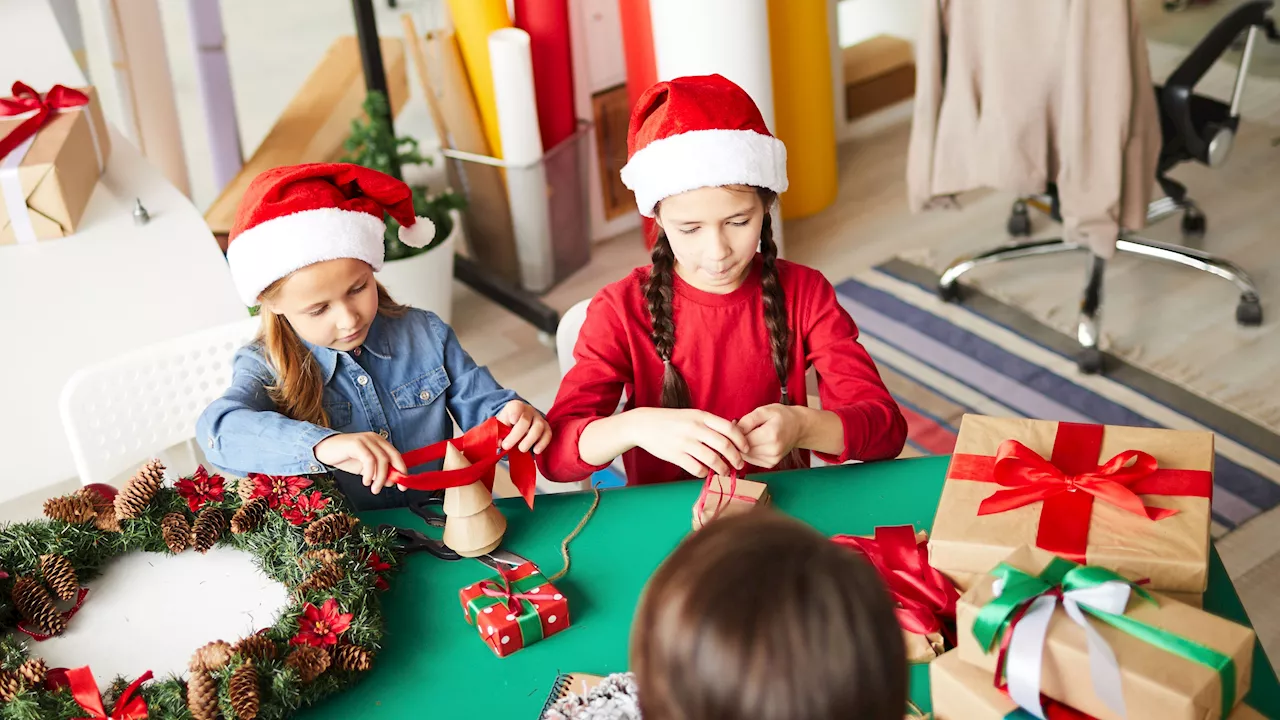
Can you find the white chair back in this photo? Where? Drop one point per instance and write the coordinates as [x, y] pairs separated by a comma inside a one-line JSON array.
[[567, 334]]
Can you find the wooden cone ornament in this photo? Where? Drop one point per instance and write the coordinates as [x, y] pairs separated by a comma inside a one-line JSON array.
[[473, 526]]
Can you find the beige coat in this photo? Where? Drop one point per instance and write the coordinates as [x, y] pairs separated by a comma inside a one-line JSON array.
[[1013, 94]]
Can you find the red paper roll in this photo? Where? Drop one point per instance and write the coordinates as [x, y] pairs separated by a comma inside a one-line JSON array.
[[547, 22], [637, 42]]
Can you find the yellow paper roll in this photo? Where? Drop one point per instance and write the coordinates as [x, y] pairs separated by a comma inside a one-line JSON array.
[[473, 20], [803, 106]]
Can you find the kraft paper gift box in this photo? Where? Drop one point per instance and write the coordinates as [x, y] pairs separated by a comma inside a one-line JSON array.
[[59, 172], [723, 496], [1099, 499], [1156, 680], [964, 692]]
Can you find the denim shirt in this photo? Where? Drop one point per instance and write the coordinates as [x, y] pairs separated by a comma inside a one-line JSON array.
[[404, 382]]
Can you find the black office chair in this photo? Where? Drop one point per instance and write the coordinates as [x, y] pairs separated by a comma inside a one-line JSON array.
[[1194, 128]]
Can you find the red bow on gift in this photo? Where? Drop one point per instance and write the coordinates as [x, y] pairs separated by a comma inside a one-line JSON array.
[[130, 706], [722, 497], [494, 590], [26, 100], [926, 600], [482, 445]]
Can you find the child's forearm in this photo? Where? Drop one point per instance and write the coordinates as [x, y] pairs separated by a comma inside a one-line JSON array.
[[821, 430], [607, 438]]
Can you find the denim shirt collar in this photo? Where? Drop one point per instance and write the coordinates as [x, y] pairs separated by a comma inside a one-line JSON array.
[[376, 342]]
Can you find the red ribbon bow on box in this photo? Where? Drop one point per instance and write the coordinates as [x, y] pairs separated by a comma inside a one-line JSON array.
[[25, 100], [722, 497], [494, 590], [926, 599], [482, 445], [130, 706]]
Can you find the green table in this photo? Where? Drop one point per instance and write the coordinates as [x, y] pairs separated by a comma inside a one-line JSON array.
[[435, 665]]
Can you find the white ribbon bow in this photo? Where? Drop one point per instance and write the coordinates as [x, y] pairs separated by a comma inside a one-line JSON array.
[[1024, 660]]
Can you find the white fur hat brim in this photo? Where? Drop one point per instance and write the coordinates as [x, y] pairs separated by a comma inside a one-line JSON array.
[[704, 158]]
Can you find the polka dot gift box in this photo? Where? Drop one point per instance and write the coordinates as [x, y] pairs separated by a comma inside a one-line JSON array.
[[515, 609]]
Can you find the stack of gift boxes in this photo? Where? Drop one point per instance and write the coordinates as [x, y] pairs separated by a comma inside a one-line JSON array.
[[1082, 554]]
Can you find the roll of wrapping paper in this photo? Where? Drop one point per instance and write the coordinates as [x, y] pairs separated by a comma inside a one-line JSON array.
[[637, 44], [803, 104], [547, 22], [473, 21], [728, 37], [516, 102]]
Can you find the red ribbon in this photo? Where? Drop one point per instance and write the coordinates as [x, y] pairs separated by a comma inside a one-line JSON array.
[[482, 445], [41, 636], [1069, 481], [25, 100], [130, 706], [492, 589], [722, 498], [925, 598]]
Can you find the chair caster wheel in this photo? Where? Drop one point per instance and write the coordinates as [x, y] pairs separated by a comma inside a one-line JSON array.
[[1019, 224], [1193, 225], [949, 293], [1249, 312], [1089, 361]]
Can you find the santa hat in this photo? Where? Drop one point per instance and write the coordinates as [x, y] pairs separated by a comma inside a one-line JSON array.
[[696, 132], [299, 215]]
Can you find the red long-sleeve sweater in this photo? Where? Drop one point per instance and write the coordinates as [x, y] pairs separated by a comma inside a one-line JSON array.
[[722, 349]]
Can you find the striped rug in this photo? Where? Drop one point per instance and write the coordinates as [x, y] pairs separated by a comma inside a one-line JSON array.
[[941, 361]]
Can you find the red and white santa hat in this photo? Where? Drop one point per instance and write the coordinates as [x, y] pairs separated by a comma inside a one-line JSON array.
[[299, 215], [696, 132]]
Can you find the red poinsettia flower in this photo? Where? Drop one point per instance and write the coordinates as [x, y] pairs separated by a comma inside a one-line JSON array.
[[201, 488], [321, 626], [302, 509], [277, 489], [378, 566]]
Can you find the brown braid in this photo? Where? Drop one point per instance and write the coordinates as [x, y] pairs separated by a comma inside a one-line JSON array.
[[658, 292], [775, 317]]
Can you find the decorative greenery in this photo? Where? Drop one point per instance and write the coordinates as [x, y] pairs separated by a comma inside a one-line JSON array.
[[280, 550], [374, 145]]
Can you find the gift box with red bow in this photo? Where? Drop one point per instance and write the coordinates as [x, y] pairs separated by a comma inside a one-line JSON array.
[[1133, 500], [53, 147], [725, 495], [515, 609]]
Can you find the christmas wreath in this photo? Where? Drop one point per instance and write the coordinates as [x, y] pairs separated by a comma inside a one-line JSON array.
[[299, 534]]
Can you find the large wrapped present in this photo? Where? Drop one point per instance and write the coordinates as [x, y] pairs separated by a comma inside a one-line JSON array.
[[924, 599], [725, 495], [964, 692], [515, 609], [1133, 500], [53, 148], [1112, 650]]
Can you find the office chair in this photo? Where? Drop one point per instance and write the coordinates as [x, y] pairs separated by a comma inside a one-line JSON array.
[[1194, 128]]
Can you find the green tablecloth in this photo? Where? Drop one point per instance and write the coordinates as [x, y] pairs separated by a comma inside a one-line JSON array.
[[435, 665]]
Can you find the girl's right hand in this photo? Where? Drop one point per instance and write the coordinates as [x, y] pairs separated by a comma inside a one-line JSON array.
[[366, 454], [693, 439]]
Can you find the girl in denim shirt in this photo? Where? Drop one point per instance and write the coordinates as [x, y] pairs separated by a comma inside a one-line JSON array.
[[341, 378]]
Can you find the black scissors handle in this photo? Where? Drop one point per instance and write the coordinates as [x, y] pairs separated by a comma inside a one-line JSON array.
[[426, 508], [412, 541]]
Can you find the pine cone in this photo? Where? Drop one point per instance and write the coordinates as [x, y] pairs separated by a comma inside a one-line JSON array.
[[202, 695], [33, 672], [59, 576], [10, 685], [250, 516], [256, 647], [36, 606], [208, 528], [245, 489], [243, 690], [352, 658], [329, 529], [69, 509], [210, 657], [105, 519], [176, 531], [309, 661], [320, 556], [137, 493], [323, 578]]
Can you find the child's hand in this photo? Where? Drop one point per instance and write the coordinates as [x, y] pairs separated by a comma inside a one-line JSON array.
[[366, 454], [528, 427], [693, 439], [772, 431]]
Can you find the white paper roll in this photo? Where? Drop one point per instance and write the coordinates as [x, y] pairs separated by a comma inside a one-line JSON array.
[[725, 37], [517, 106]]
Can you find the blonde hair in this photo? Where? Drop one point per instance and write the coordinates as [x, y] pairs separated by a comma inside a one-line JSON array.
[[298, 392]]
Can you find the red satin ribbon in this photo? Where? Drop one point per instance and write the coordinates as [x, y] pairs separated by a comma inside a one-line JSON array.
[[494, 590], [40, 636], [1070, 480], [130, 706], [722, 498], [926, 599], [482, 445], [25, 100]]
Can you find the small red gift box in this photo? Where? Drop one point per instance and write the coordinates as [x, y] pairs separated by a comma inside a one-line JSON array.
[[515, 609]]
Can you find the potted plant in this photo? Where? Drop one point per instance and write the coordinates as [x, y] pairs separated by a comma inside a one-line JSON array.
[[421, 277]]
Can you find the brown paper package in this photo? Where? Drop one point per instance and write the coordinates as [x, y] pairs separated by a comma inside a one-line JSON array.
[[1158, 685], [964, 581], [964, 692], [1172, 554], [720, 504], [60, 170]]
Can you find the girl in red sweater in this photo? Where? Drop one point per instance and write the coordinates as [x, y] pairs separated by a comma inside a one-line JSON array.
[[711, 343]]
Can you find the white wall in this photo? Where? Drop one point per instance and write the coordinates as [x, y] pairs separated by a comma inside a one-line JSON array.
[[861, 19]]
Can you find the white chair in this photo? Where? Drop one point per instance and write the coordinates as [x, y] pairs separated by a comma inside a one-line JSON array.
[[122, 412], [567, 334]]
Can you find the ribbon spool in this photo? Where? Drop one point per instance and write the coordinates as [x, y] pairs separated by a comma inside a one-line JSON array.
[[473, 525]]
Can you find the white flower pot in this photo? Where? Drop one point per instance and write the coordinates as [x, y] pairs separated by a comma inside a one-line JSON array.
[[425, 281]]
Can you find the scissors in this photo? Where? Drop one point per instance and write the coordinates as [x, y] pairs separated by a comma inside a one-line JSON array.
[[415, 541]]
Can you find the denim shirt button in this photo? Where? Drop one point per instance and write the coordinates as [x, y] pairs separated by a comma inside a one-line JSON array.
[[383, 432], [315, 468], [363, 379], [425, 395]]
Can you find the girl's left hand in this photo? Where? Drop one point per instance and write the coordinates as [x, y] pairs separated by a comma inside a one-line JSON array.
[[528, 427], [772, 431]]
